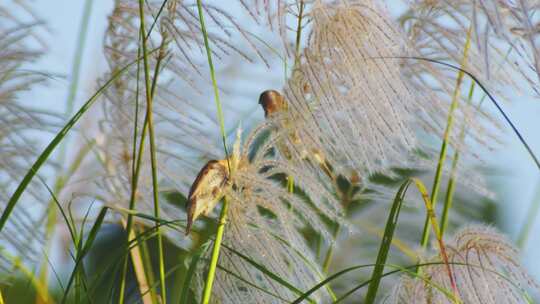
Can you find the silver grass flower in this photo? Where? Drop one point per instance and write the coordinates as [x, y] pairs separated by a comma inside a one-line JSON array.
[[485, 267], [512, 26], [348, 96], [20, 124], [264, 223]]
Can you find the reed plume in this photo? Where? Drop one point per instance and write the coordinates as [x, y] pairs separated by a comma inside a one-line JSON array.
[[20, 122], [486, 269]]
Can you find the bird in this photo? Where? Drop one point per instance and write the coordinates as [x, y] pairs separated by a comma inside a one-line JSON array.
[[272, 103], [207, 190]]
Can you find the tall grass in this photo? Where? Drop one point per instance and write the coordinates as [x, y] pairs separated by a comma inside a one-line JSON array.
[[364, 102]]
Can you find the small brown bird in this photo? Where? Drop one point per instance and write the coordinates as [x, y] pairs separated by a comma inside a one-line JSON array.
[[273, 102], [207, 190]]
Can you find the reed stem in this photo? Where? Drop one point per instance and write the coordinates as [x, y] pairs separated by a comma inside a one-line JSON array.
[[207, 293]]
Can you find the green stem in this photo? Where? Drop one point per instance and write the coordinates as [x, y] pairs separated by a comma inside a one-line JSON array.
[[138, 158], [452, 181], [135, 176], [147, 263], [214, 82], [298, 33], [330, 252], [446, 140], [153, 160], [215, 253], [207, 293], [60, 179]]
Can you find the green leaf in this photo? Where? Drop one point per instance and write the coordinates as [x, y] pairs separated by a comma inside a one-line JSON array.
[[386, 242], [54, 143], [191, 271]]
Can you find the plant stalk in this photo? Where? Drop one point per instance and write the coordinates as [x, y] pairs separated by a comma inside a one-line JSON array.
[[207, 293], [153, 160], [446, 140], [452, 181]]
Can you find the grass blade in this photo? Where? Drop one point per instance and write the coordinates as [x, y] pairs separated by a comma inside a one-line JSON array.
[[452, 180], [386, 242], [207, 293], [191, 271], [267, 272], [349, 269], [446, 138], [435, 226], [149, 108], [54, 143], [490, 97], [85, 248]]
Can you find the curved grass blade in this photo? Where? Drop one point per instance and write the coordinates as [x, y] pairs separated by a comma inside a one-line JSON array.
[[207, 292], [191, 271], [349, 269], [489, 95], [446, 138], [311, 265], [386, 242], [54, 143], [153, 160], [398, 270], [267, 272], [448, 200], [85, 248], [229, 272]]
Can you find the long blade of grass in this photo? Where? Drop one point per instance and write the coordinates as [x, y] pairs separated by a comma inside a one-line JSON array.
[[138, 268], [214, 82], [349, 269], [135, 167], [452, 180], [85, 248], [191, 271], [54, 143], [266, 272], [70, 101], [435, 226], [207, 292], [386, 242], [77, 61], [488, 94], [151, 133], [446, 137], [400, 269], [137, 156], [299, 32]]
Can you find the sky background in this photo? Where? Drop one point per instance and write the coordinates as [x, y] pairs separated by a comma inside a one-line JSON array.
[[515, 187]]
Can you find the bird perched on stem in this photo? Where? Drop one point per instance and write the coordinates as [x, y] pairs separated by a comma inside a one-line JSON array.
[[207, 190], [272, 103]]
